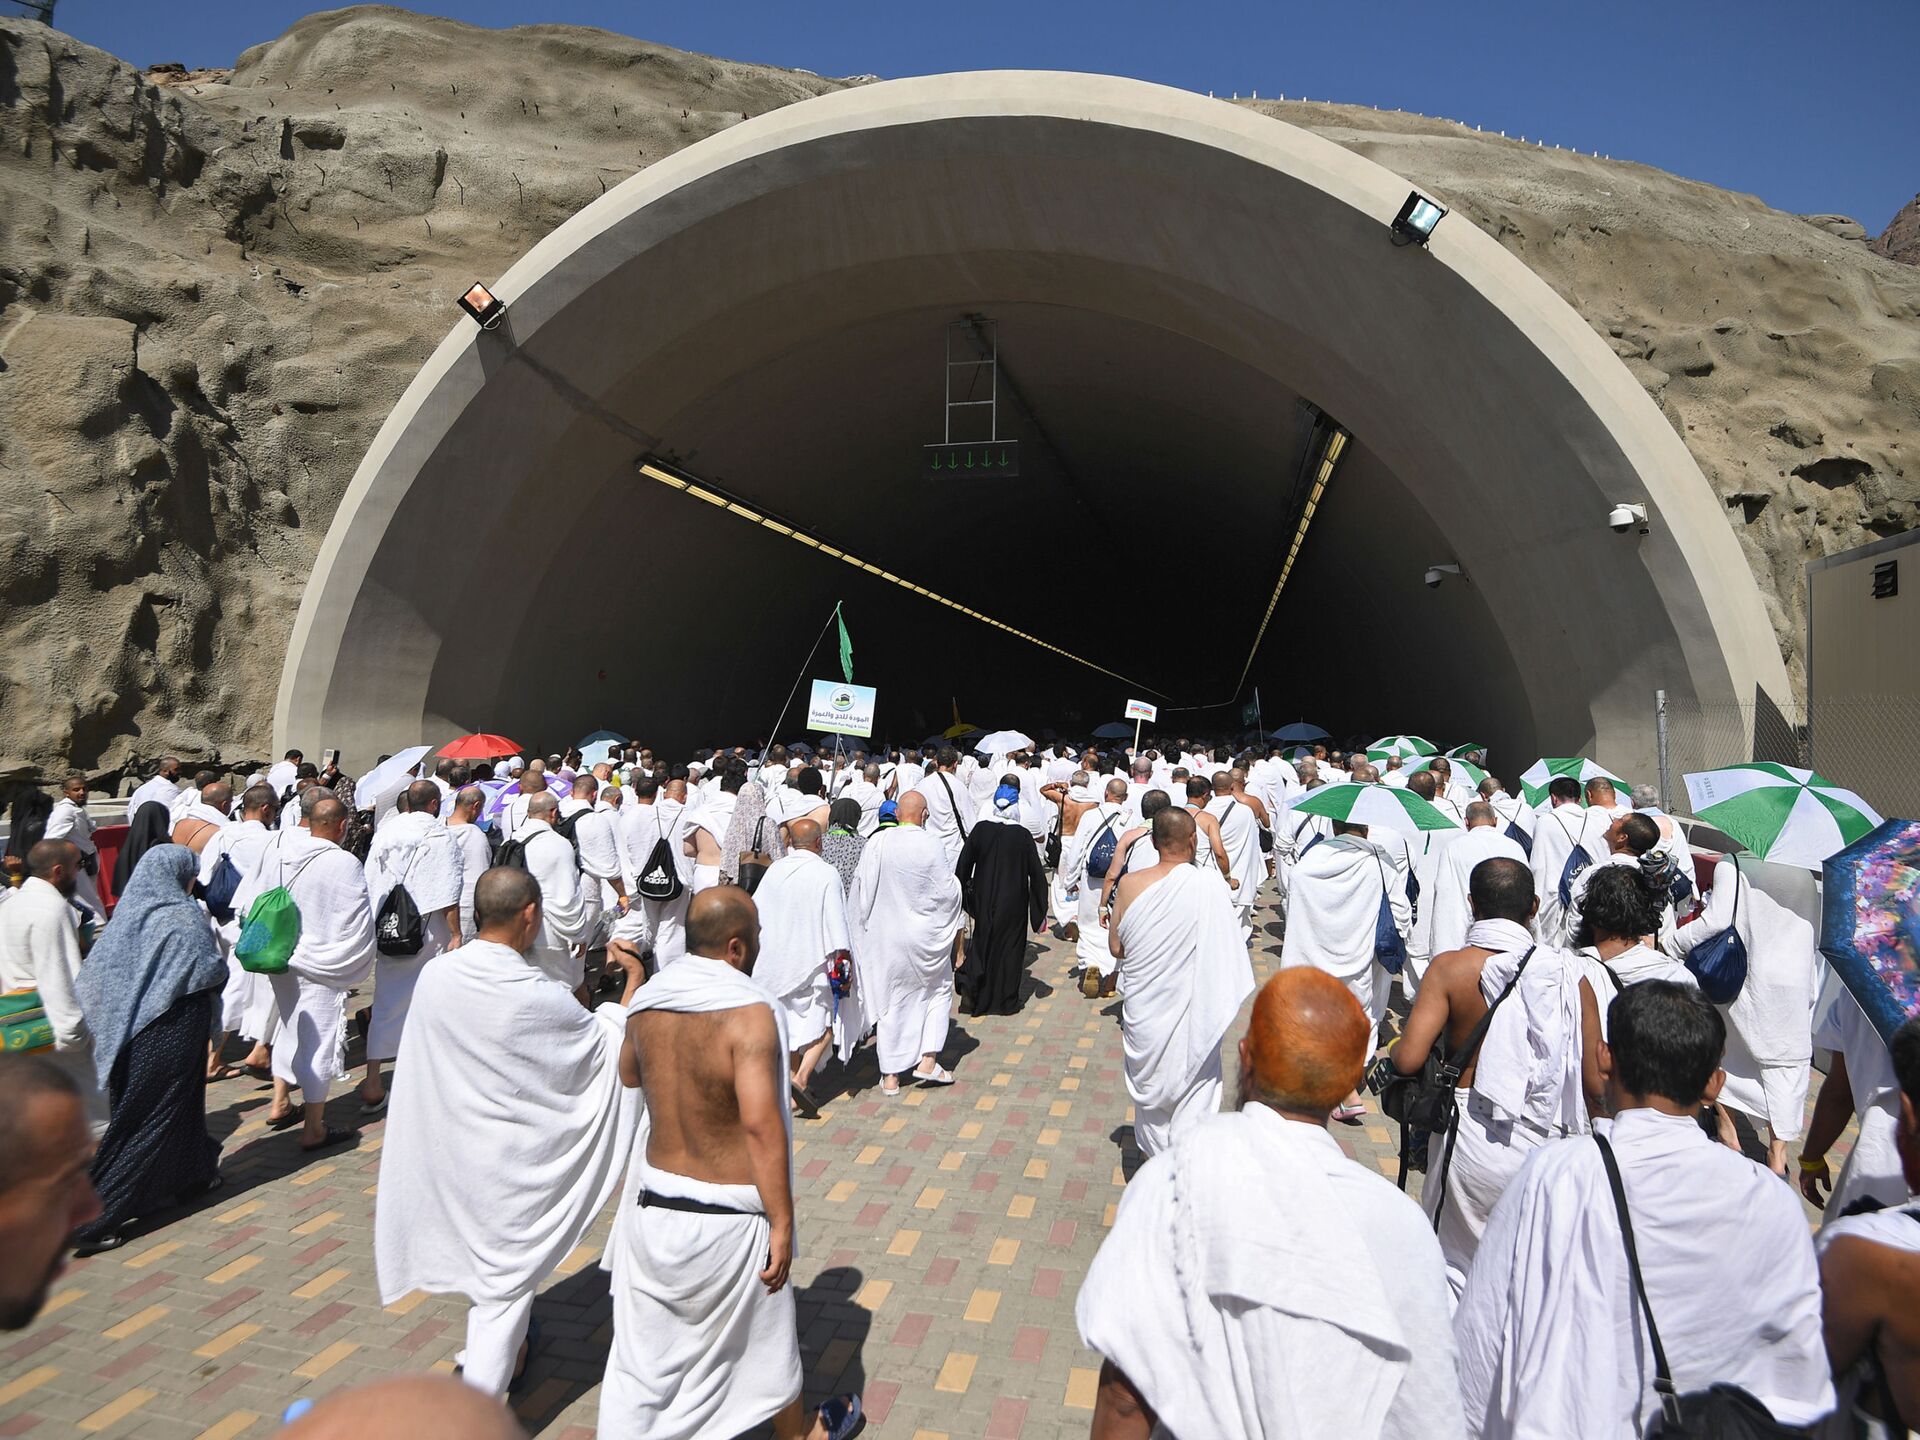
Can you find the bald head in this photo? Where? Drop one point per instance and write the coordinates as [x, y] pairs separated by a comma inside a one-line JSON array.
[[1306, 1044], [804, 835], [722, 924], [1424, 784], [1488, 788], [1223, 782], [328, 818], [543, 807], [1116, 789], [258, 802], [407, 1407], [506, 905], [912, 809], [54, 861], [1479, 815], [217, 796], [423, 798], [467, 801], [1600, 792], [585, 787], [1173, 834]]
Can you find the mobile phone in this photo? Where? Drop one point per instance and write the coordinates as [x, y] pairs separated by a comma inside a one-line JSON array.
[[328, 757]]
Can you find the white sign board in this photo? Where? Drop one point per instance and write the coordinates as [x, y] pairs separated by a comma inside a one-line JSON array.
[[840, 709], [1141, 710]]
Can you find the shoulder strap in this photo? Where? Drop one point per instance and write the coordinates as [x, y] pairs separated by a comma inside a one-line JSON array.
[[952, 804], [1662, 1375]]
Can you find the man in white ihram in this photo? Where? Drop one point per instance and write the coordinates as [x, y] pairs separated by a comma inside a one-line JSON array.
[[803, 925], [1240, 834], [1564, 833], [485, 1187], [1096, 825], [334, 954], [69, 821], [1551, 1332], [1449, 912], [418, 851], [949, 806], [1333, 903], [905, 910], [1257, 1282], [476, 856], [246, 1003], [705, 1342], [1183, 972], [569, 907]]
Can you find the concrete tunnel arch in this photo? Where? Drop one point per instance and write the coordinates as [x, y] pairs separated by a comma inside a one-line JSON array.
[[1172, 277]]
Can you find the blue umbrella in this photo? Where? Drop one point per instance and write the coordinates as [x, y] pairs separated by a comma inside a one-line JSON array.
[[1300, 730], [1870, 922], [599, 737], [596, 752], [1113, 731]]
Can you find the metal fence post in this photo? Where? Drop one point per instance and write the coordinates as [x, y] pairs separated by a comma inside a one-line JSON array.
[[1666, 757]]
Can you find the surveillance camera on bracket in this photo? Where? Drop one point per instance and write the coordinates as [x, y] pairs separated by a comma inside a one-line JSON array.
[[1622, 518], [1437, 573]]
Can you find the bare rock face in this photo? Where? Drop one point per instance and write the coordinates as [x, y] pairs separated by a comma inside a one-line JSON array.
[[1901, 239], [214, 286]]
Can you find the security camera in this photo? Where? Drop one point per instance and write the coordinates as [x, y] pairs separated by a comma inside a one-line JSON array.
[[1437, 573], [1622, 518]]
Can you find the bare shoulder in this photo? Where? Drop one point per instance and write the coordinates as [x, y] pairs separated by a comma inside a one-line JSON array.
[[751, 1029], [1132, 884]]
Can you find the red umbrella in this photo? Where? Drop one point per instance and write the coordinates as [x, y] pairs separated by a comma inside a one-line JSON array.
[[479, 747]]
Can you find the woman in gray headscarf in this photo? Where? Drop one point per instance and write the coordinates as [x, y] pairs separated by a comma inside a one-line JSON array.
[[841, 846], [150, 991], [750, 832]]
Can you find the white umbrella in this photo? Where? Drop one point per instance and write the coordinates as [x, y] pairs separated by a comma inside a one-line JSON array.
[[387, 779], [1780, 812], [1002, 742]]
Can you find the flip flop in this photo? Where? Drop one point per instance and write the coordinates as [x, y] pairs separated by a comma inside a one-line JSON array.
[[1349, 1114], [226, 1072], [112, 1240], [376, 1107], [804, 1102], [286, 1121], [842, 1417], [333, 1138]]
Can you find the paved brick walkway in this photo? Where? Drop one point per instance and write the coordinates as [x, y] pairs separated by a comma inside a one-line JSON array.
[[944, 1234]]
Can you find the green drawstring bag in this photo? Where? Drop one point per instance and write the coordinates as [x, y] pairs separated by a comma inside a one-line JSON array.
[[24, 1027], [270, 935]]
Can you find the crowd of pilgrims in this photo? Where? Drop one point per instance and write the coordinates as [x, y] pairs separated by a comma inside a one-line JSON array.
[[1592, 1254]]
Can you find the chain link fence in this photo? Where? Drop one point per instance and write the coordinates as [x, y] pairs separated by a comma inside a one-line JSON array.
[[1867, 743]]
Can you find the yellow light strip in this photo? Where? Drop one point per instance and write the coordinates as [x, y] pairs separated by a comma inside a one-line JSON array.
[[1329, 459], [699, 492]]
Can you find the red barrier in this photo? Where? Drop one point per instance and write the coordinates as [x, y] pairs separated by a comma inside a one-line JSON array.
[[108, 839]]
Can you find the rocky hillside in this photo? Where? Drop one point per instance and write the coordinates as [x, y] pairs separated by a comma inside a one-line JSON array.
[[1901, 239], [213, 286]]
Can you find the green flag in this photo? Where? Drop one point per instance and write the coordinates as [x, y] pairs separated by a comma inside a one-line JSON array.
[[846, 647]]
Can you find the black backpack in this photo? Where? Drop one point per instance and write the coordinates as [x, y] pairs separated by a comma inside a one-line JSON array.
[[513, 853], [400, 928], [659, 878], [564, 827]]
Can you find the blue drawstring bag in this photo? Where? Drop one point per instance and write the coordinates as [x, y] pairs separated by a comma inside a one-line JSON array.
[[1388, 948], [1720, 963]]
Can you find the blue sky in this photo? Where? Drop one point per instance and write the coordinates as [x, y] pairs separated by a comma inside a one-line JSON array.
[[1808, 105]]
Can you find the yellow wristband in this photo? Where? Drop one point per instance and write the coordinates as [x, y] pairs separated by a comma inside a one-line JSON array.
[[1814, 1166]]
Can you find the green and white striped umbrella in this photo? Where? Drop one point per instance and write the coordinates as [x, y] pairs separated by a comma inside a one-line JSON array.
[[1386, 806], [1542, 773], [1297, 752], [1460, 767], [1783, 814], [1404, 747], [1471, 748]]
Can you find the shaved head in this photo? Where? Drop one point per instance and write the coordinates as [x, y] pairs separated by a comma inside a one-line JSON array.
[[218, 795], [542, 807], [257, 801], [1116, 789], [912, 808], [585, 787], [1424, 784], [722, 924], [1173, 831], [1480, 813], [327, 820], [804, 835], [423, 798], [408, 1407], [1306, 1046]]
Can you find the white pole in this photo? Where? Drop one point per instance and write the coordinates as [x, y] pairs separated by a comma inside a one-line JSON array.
[[1136, 735]]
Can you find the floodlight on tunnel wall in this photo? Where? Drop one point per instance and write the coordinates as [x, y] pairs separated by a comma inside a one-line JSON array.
[[486, 308], [1414, 224]]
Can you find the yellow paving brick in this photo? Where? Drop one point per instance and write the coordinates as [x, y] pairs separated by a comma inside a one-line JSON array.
[[930, 1198], [238, 1212], [226, 1340], [982, 1307], [226, 1429], [1119, 1175], [578, 1259], [869, 1155], [406, 1304], [1013, 1057], [842, 1192], [1036, 1170], [147, 1257], [1107, 1219], [61, 1300], [873, 1294], [986, 1102], [321, 1283], [1070, 1082], [444, 1367], [1389, 1164], [970, 1130], [1001, 1080], [318, 1222], [1092, 1025], [114, 1411], [134, 1324], [233, 1269], [1077, 1062], [1021, 1208], [375, 1189], [1085, 1042], [1059, 1108], [1023, 1039], [800, 1145], [953, 1159], [1082, 1387], [929, 1435], [914, 1097], [1129, 1114], [894, 1126], [32, 1380], [903, 1242], [957, 1374], [1003, 1251], [1048, 1136], [319, 1172], [1035, 1023], [325, 1360]]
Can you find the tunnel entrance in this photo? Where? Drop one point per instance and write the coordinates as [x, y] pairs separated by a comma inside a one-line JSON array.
[[1184, 294]]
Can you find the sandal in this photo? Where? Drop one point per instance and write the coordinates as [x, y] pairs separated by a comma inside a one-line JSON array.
[[112, 1240], [890, 1087], [283, 1122], [804, 1102], [1349, 1114], [939, 1075], [225, 1072], [376, 1107], [331, 1139], [842, 1417]]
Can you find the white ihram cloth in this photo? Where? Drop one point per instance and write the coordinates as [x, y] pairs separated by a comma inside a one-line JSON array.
[[1092, 950], [280, 776], [904, 911], [504, 1140], [1770, 1023], [1292, 835], [1897, 1228], [597, 831], [699, 1347], [1873, 1165], [948, 814], [1445, 908], [1240, 835], [1551, 1341], [1558, 832], [1184, 972], [418, 851], [69, 821], [1525, 1092], [476, 856], [335, 953], [803, 920], [713, 814], [246, 1002], [869, 798], [569, 908], [160, 790], [1607, 978], [40, 950], [657, 924], [1423, 866], [1333, 902], [1259, 1284]]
